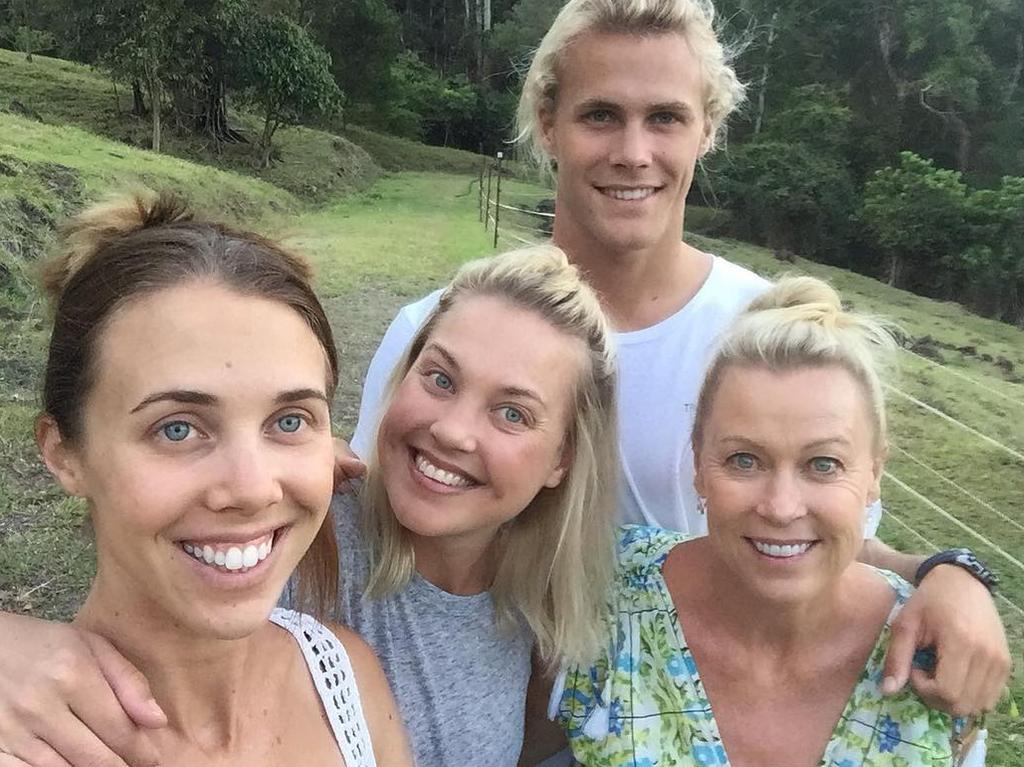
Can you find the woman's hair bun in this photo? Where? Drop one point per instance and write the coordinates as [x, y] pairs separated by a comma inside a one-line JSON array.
[[85, 235]]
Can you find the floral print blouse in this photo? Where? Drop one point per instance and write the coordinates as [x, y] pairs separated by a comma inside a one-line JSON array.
[[644, 705]]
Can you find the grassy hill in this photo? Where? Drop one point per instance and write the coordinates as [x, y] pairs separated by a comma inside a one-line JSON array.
[[380, 240]]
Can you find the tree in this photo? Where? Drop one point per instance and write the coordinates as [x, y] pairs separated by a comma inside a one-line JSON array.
[[916, 214], [29, 40], [285, 75]]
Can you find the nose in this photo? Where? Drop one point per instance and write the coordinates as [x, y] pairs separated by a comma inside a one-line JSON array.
[[246, 479], [783, 502], [455, 428], [633, 149]]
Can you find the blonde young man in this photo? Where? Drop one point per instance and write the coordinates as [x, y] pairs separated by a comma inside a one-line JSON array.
[[623, 98]]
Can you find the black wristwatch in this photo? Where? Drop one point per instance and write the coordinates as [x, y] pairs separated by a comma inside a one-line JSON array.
[[963, 558]]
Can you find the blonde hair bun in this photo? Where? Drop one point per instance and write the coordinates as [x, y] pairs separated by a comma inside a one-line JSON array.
[[89, 232], [798, 322]]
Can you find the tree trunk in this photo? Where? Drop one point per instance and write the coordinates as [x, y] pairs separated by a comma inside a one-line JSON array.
[[138, 103], [765, 71], [155, 100], [895, 267]]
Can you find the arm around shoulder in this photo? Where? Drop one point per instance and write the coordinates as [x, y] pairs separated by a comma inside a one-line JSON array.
[[387, 732]]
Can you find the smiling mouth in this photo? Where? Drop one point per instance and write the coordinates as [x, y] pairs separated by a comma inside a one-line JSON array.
[[444, 477], [235, 558], [632, 194], [782, 550]]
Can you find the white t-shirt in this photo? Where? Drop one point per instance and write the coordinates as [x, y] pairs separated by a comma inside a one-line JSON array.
[[661, 368]]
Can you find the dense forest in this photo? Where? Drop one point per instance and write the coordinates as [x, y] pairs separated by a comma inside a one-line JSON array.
[[885, 137]]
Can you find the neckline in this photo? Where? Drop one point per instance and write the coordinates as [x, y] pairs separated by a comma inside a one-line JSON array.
[[653, 331], [697, 680]]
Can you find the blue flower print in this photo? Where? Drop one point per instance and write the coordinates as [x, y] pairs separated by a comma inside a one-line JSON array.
[[624, 661], [708, 754], [890, 731], [615, 718], [677, 665]]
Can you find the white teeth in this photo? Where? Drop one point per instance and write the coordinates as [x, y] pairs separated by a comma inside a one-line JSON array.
[[440, 475], [232, 558], [630, 194], [250, 556], [782, 551]]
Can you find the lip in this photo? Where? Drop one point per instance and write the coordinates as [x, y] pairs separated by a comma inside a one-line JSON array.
[[433, 485], [234, 536]]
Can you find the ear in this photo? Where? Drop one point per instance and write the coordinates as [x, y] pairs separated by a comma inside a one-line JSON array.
[[564, 462], [59, 456], [877, 469], [705, 139], [698, 475], [546, 121]]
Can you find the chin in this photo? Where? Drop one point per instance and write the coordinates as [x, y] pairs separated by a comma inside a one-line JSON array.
[[229, 622]]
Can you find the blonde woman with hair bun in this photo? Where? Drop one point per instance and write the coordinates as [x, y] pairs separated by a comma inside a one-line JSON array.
[[764, 641]]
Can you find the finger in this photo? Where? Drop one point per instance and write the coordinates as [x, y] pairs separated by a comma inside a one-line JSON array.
[[128, 683], [6, 760], [37, 753], [76, 742], [899, 657], [951, 681]]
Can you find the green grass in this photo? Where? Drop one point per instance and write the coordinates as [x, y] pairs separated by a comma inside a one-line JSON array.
[[309, 163]]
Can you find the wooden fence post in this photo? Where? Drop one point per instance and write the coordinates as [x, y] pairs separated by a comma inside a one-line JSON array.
[[497, 201]]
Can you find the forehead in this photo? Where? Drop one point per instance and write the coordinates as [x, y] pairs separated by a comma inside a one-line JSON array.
[[208, 338], [630, 69], [504, 345], [801, 405]]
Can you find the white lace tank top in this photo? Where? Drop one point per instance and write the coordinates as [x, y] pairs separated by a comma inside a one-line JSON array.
[[335, 683]]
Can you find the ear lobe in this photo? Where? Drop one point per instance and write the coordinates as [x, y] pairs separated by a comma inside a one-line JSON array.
[[546, 121], [59, 456], [705, 140], [875, 491]]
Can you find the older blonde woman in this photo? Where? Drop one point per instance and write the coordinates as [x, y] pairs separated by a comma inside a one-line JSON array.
[[763, 642]]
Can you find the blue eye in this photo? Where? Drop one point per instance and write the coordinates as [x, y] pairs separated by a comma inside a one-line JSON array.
[[822, 465], [289, 423], [176, 431], [513, 415], [743, 461], [442, 381]]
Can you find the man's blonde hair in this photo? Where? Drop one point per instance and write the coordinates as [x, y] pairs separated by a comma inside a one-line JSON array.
[[693, 19], [555, 558], [800, 322]]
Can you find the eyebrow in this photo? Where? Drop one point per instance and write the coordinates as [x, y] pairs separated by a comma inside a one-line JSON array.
[[740, 440], [512, 391], [665, 106], [192, 397]]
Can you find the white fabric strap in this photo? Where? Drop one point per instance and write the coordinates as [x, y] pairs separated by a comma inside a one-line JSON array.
[[335, 682]]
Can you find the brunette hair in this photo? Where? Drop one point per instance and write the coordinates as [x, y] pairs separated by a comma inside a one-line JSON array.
[[118, 252]]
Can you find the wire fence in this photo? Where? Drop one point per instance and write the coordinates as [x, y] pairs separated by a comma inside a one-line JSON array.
[[515, 224]]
